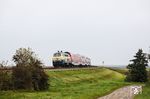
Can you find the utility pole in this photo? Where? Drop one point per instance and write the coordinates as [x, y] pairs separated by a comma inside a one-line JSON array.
[[103, 63]]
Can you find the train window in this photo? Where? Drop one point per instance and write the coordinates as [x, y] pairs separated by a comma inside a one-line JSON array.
[[66, 55]]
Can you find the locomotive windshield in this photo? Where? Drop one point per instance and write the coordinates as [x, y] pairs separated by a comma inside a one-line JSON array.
[[57, 54]]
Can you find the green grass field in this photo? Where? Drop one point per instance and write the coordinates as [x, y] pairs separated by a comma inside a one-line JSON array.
[[77, 84], [120, 70]]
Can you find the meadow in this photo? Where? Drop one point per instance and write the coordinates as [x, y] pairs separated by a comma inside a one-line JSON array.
[[74, 84]]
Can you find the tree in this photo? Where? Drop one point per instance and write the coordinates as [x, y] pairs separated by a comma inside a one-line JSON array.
[[137, 69], [28, 72]]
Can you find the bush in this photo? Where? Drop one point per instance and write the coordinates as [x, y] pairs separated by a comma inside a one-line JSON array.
[[28, 73], [5, 77], [22, 78]]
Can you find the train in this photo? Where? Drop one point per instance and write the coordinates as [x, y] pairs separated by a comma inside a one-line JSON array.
[[68, 59]]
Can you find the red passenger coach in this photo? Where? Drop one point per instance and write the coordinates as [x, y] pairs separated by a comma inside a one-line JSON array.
[[76, 60]]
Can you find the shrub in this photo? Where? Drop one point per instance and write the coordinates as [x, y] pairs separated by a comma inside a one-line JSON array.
[[5, 77], [28, 72]]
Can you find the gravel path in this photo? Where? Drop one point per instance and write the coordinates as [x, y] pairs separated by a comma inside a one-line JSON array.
[[127, 92]]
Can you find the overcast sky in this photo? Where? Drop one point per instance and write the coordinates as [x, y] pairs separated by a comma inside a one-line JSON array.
[[104, 30]]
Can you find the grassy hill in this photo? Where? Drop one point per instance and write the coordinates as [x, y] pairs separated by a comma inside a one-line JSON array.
[[74, 84]]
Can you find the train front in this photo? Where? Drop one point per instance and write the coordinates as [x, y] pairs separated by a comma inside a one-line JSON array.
[[57, 59], [60, 59]]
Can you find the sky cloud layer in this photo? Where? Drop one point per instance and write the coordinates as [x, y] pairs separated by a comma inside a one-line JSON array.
[[105, 30]]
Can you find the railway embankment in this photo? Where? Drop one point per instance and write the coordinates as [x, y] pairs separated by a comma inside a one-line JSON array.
[[74, 84]]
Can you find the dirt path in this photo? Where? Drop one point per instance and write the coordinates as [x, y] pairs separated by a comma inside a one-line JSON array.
[[127, 92]]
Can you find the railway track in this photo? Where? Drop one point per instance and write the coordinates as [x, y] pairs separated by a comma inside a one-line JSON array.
[[56, 69]]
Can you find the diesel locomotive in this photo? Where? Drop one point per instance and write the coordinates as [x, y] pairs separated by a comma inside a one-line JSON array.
[[67, 59]]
